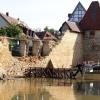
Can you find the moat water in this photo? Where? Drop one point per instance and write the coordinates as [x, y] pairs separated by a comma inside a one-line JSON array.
[[48, 89]]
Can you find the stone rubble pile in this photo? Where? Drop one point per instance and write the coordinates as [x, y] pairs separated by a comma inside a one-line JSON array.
[[61, 56], [17, 68]]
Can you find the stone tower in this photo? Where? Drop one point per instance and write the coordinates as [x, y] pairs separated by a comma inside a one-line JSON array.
[[90, 26]]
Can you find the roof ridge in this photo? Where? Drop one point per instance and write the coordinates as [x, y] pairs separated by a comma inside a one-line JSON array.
[[91, 19], [12, 20]]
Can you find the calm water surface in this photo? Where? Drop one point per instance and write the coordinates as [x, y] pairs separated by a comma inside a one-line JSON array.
[[48, 89]]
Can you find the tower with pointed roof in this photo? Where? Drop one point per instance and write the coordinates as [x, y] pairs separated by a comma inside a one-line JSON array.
[[90, 26], [77, 14], [86, 27]]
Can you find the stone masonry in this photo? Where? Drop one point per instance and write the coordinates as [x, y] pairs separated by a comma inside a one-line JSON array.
[[92, 46], [68, 52]]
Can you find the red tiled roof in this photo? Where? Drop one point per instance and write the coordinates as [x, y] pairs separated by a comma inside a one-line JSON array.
[[12, 20], [91, 20], [48, 35], [73, 26], [45, 35], [9, 19]]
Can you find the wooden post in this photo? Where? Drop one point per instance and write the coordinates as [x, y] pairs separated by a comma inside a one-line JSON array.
[[52, 72], [30, 72], [58, 76], [64, 74], [35, 72], [41, 72]]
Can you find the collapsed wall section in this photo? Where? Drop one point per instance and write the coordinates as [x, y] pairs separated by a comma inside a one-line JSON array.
[[68, 52]]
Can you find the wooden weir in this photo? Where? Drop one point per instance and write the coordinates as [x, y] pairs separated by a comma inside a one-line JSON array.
[[50, 72], [39, 72]]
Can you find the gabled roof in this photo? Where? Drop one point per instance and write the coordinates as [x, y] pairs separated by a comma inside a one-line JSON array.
[[91, 20], [12, 20], [72, 26], [36, 37], [40, 34], [45, 35], [64, 27], [77, 14]]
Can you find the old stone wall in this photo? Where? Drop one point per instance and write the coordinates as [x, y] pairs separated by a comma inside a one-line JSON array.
[[23, 48], [47, 47], [6, 58], [92, 46], [36, 48], [68, 52]]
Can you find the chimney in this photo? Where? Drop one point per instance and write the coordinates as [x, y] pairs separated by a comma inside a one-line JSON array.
[[7, 13], [18, 19]]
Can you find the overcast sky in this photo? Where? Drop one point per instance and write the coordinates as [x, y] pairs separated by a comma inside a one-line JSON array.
[[41, 13]]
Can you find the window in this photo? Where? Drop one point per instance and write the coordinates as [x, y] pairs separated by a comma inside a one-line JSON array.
[[78, 13], [92, 34]]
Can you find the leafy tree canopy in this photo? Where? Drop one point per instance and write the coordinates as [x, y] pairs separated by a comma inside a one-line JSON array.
[[51, 30], [11, 31], [2, 32]]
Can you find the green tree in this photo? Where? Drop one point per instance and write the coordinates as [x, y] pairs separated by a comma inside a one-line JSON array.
[[51, 30], [46, 28], [13, 31], [2, 32]]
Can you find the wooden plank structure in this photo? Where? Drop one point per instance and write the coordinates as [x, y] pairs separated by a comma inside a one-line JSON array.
[[60, 73], [50, 72]]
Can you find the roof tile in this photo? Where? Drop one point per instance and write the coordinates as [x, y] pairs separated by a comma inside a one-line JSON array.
[[91, 20]]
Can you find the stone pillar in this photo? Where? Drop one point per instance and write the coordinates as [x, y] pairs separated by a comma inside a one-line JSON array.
[[46, 48], [23, 48], [36, 49]]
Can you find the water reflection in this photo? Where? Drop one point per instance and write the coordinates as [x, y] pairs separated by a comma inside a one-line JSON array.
[[87, 88], [48, 89], [35, 89]]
